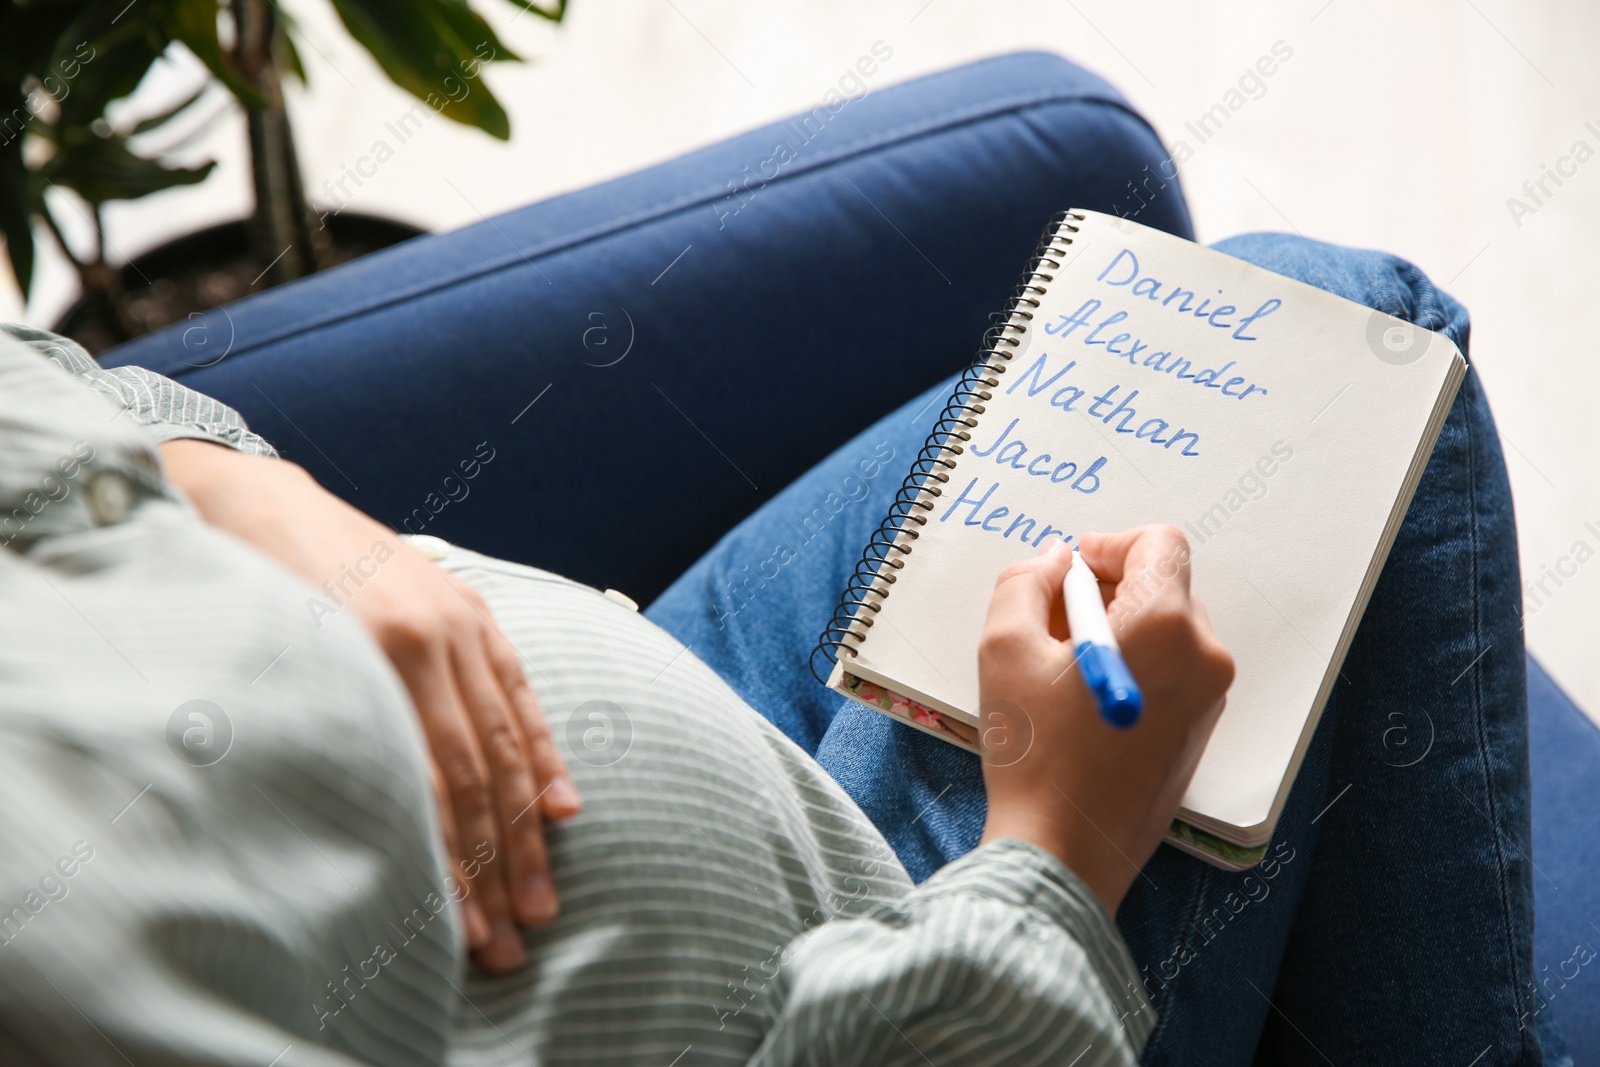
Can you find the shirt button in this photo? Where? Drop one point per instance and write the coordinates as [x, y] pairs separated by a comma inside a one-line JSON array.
[[110, 498], [435, 548], [622, 598]]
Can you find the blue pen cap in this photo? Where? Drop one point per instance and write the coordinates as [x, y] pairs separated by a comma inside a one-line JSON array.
[[1111, 683]]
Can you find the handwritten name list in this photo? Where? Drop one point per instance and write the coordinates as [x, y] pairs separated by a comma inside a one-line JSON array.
[[1098, 363]]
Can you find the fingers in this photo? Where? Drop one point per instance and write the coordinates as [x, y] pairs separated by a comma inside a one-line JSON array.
[[1216, 655], [526, 869], [1019, 609], [1114, 556], [476, 927], [427, 672], [558, 796], [1106, 553], [1148, 566]]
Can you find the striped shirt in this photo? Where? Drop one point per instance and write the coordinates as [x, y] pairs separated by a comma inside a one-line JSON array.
[[218, 842]]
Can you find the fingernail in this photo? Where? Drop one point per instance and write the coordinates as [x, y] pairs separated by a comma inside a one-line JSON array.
[[539, 898], [562, 796], [477, 925], [506, 948]]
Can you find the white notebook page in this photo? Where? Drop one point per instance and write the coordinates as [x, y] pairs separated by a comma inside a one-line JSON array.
[[1281, 427]]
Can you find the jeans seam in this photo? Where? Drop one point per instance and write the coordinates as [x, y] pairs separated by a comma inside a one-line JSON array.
[[1483, 742], [1153, 1042], [904, 134]]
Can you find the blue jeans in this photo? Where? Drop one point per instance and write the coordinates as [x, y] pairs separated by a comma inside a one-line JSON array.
[[708, 333], [1392, 919]]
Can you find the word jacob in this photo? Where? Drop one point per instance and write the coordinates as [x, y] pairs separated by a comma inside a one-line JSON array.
[[1015, 455]]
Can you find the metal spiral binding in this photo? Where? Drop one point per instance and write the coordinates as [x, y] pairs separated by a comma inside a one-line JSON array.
[[895, 537]]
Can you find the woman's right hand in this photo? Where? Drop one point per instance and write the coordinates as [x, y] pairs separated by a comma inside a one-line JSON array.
[[1098, 797]]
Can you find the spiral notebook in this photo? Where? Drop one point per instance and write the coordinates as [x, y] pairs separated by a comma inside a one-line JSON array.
[[1136, 377]]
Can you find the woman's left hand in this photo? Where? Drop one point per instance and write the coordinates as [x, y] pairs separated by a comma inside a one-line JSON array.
[[496, 768]]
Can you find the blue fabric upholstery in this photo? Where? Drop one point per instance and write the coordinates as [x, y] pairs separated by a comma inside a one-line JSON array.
[[381, 376], [1565, 750]]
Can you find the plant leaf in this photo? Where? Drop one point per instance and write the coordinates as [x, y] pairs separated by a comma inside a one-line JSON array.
[[477, 39], [556, 15], [289, 55], [16, 214], [102, 168], [157, 121], [109, 66], [194, 22], [30, 33], [432, 49]]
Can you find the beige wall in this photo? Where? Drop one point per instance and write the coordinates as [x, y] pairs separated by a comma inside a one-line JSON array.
[[1401, 126]]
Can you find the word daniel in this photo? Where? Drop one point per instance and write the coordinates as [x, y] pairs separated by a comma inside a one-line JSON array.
[[851, 87], [1577, 156], [1151, 289], [1251, 86], [1011, 450], [402, 128]]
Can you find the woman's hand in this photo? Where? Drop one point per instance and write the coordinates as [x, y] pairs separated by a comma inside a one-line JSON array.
[[496, 768], [1057, 775]]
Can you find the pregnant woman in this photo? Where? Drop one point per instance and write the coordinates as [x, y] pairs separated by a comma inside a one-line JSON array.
[[280, 786]]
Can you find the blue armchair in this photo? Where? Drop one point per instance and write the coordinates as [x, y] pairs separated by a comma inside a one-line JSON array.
[[540, 334]]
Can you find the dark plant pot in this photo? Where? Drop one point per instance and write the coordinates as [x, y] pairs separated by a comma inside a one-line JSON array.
[[204, 270]]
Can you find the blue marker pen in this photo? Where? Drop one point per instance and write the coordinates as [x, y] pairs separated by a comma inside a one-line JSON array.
[[1099, 657]]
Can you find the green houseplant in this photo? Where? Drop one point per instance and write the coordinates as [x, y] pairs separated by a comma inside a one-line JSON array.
[[63, 62]]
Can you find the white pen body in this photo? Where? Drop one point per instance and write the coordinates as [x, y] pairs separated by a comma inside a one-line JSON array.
[[1086, 611]]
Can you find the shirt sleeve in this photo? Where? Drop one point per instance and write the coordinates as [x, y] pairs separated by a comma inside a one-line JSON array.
[[165, 410], [1002, 957]]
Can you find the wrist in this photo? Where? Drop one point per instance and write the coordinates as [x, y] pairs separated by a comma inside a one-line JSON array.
[[1090, 856], [206, 470]]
